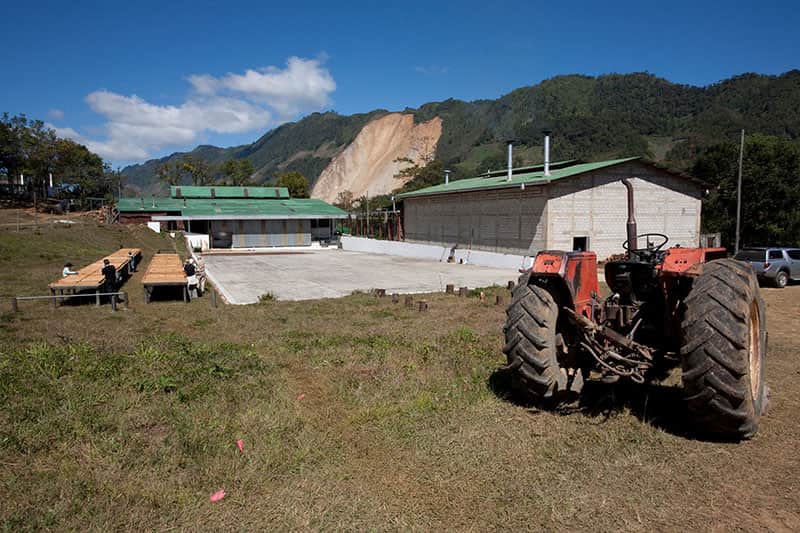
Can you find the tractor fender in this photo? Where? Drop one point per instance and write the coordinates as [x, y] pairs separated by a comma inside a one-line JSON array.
[[570, 277]]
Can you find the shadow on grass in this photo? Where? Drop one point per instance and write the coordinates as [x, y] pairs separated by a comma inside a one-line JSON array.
[[658, 405]]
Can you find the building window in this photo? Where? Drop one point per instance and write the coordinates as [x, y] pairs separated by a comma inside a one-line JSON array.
[[580, 244]]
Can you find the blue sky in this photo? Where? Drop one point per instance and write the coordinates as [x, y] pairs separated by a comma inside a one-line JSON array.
[[136, 80]]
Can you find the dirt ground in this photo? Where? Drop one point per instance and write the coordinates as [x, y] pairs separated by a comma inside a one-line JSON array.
[[355, 413]]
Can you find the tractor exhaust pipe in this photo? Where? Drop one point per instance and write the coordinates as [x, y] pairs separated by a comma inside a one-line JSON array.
[[630, 227]]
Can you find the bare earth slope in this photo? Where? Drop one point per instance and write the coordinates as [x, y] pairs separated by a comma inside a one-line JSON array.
[[369, 163]]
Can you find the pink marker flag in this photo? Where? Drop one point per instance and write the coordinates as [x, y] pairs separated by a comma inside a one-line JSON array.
[[240, 445], [301, 396], [217, 496]]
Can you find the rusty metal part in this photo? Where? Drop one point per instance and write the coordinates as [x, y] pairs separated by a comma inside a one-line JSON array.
[[615, 338], [630, 226]]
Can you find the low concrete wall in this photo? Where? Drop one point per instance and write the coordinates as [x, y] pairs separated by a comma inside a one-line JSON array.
[[197, 240], [435, 253]]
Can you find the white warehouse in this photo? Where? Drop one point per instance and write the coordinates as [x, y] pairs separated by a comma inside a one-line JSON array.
[[571, 206]]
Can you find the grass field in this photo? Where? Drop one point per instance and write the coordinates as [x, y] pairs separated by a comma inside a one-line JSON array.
[[129, 420]]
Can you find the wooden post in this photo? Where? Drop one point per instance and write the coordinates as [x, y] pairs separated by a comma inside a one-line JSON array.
[[113, 303], [14, 307], [125, 295], [213, 298], [423, 305], [53, 300], [395, 298], [186, 293], [449, 288], [511, 285], [409, 300], [97, 297], [462, 292], [498, 300]]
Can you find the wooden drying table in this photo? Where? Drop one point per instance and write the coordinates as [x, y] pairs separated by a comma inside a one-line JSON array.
[[164, 270], [91, 277]]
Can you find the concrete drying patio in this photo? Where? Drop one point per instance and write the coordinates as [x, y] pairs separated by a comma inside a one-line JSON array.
[[335, 273]]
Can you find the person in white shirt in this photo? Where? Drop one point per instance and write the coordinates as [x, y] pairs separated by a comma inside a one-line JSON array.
[[68, 270]]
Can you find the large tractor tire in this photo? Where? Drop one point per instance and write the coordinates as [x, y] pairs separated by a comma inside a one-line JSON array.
[[530, 347], [723, 349]]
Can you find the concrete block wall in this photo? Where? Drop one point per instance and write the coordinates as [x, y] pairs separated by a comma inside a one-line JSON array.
[[505, 221], [595, 205]]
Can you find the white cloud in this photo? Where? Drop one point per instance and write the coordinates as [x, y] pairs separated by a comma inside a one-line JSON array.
[[234, 103], [55, 114]]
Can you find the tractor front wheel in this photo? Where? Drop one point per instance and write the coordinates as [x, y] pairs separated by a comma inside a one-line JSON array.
[[530, 334], [724, 345]]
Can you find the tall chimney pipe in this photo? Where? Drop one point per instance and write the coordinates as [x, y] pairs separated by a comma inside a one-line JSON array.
[[446, 177], [510, 160], [546, 152], [630, 227]]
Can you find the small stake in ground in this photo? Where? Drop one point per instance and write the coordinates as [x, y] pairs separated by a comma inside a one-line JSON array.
[[423, 305], [462, 292], [14, 307], [409, 300], [449, 289], [498, 300], [213, 298]]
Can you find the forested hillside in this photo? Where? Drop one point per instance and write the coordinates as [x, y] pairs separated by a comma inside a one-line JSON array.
[[590, 117]]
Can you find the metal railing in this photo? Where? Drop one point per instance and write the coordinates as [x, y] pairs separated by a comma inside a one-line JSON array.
[[115, 297]]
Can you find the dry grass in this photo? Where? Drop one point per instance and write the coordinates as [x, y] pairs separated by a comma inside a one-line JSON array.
[[129, 420]]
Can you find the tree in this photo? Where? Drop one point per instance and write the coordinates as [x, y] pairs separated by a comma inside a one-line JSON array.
[[171, 172], [296, 183], [238, 171], [770, 191], [421, 177], [344, 200], [199, 171]]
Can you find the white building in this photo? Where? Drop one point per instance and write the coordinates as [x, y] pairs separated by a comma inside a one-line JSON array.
[[578, 206]]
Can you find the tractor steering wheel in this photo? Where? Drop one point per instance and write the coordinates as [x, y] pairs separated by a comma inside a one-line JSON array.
[[659, 246]]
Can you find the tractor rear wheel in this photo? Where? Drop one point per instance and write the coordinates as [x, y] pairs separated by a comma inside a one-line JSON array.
[[530, 332], [723, 348]]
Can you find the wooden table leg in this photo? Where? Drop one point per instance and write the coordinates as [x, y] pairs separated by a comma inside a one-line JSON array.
[[186, 293], [147, 290]]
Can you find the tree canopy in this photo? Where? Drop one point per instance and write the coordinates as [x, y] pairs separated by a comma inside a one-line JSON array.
[[295, 182], [770, 191], [30, 148]]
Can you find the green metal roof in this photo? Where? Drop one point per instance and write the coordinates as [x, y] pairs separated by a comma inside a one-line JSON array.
[[200, 208], [149, 205], [195, 191], [531, 168], [292, 208], [500, 181]]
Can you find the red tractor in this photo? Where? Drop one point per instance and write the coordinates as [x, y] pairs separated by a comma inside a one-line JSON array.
[[668, 306]]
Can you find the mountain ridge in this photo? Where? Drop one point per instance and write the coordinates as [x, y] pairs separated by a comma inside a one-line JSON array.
[[592, 117]]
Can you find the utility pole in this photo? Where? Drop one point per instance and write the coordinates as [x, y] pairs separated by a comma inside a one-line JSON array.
[[739, 195]]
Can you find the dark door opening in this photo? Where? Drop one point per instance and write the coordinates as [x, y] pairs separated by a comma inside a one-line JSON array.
[[580, 244]]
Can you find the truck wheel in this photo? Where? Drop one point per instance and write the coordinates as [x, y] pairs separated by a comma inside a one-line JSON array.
[[781, 279], [723, 349], [530, 332]]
